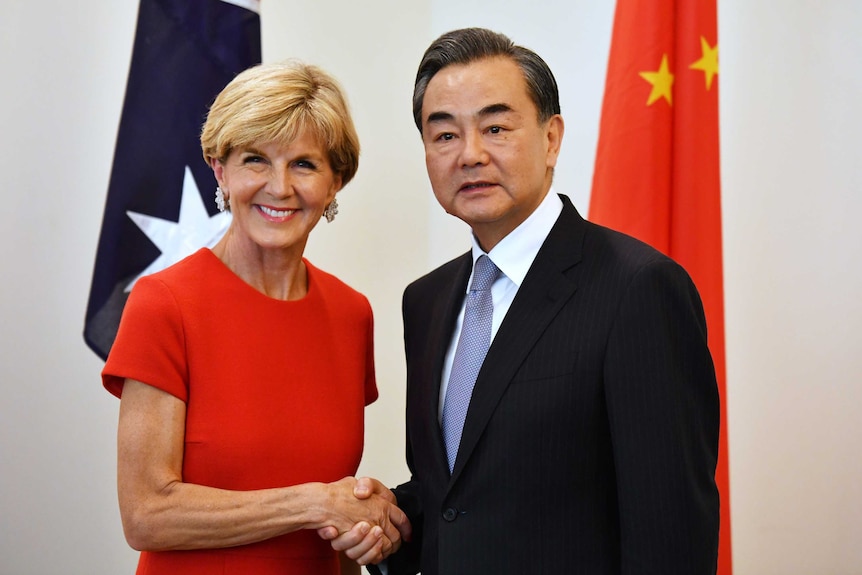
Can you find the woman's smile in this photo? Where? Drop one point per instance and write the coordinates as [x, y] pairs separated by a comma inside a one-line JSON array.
[[274, 214]]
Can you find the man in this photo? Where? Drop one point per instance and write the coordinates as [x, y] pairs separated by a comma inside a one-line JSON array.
[[590, 438]]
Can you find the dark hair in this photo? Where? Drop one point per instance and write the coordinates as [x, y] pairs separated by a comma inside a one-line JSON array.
[[471, 44]]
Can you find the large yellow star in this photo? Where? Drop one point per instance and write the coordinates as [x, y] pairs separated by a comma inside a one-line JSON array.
[[708, 62], [662, 83]]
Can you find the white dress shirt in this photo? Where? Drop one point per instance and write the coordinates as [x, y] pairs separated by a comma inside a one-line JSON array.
[[513, 256]]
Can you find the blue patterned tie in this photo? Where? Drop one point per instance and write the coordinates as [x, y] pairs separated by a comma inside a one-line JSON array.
[[472, 346]]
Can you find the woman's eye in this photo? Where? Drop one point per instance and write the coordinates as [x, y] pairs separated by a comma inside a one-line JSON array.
[[305, 164], [252, 160]]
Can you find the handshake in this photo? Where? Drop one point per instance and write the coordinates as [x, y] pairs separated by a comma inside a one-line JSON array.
[[364, 521]]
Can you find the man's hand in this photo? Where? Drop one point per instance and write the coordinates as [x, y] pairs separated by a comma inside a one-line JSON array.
[[365, 543]]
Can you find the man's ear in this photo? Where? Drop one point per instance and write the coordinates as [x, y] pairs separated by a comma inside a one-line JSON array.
[[554, 133]]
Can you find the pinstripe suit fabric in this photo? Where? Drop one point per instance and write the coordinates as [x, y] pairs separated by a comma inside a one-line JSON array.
[[591, 440]]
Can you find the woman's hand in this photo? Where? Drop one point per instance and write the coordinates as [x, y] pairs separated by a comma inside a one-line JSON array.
[[364, 542]]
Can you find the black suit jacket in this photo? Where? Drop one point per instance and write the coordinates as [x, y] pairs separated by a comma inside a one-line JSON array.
[[591, 438]]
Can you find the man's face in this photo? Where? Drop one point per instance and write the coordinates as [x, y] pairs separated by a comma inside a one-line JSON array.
[[489, 159]]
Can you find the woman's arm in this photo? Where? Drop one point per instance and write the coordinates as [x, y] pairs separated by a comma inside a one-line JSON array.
[[160, 512]]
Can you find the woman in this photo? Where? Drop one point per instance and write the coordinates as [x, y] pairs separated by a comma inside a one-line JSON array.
[[244, 370]]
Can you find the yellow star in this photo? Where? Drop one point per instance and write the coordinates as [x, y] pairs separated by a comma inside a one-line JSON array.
[[708, 62], [662, 82]]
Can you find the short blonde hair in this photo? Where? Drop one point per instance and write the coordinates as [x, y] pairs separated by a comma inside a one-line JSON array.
[[275, 103]]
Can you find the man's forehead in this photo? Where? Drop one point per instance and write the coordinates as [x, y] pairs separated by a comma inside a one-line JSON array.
[[493, 66], [481, 88]]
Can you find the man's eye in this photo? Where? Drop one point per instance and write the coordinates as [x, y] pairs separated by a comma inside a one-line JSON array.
[[446, 136], [495, 129]]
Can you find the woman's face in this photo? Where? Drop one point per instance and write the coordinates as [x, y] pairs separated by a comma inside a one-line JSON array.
[[277, 192]]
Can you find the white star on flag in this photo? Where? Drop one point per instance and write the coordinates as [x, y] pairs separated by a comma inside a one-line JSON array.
[[176, 240], [253, 5]]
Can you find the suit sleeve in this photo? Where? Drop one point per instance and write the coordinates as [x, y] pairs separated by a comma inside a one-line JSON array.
[[406, 560], [662, 401]]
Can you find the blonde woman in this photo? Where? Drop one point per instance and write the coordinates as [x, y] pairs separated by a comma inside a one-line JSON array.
[[244, 370]]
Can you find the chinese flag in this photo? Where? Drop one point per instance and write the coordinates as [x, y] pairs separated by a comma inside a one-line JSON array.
[[657, 165]]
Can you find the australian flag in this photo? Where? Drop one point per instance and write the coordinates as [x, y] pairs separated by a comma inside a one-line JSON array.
[[160, 204]]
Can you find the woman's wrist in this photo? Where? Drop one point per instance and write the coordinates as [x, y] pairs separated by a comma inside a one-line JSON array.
[[311, 504]]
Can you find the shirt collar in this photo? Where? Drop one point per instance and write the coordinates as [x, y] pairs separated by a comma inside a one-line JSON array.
[[515, 253]]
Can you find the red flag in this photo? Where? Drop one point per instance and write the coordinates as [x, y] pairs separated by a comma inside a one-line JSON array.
[[657, 165]]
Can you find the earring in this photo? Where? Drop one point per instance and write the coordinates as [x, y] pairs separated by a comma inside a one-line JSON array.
[[221, 203], [331, 210]]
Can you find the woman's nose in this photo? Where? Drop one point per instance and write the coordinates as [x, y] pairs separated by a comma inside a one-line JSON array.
[[281, 185]]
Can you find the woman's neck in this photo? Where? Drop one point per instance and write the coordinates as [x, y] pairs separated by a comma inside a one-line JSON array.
[[279, 274]]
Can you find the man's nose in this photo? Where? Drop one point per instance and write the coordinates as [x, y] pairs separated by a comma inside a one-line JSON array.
[[473, 152]]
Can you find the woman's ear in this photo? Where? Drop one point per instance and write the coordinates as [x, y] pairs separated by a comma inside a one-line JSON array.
[[336, 187], [218, 170]]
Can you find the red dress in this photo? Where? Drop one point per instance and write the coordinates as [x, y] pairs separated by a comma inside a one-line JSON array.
[[275, 393]]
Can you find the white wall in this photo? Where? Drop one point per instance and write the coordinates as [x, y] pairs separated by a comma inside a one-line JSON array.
[[792, 167], [792, 180]]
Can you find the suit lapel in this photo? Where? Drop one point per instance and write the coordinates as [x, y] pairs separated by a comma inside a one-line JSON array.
[[546, 288], [440, 331]]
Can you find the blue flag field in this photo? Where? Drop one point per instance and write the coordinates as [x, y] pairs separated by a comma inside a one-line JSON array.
[[160, 205]]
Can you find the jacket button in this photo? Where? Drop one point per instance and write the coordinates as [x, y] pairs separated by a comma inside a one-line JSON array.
[[450, 514]]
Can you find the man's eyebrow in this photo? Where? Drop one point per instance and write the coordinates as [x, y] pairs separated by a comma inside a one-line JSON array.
[[490, 110], [439, 117], [493, 109]]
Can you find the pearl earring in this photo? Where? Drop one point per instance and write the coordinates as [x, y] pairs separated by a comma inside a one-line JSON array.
[[331, 210], [221, 203]]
